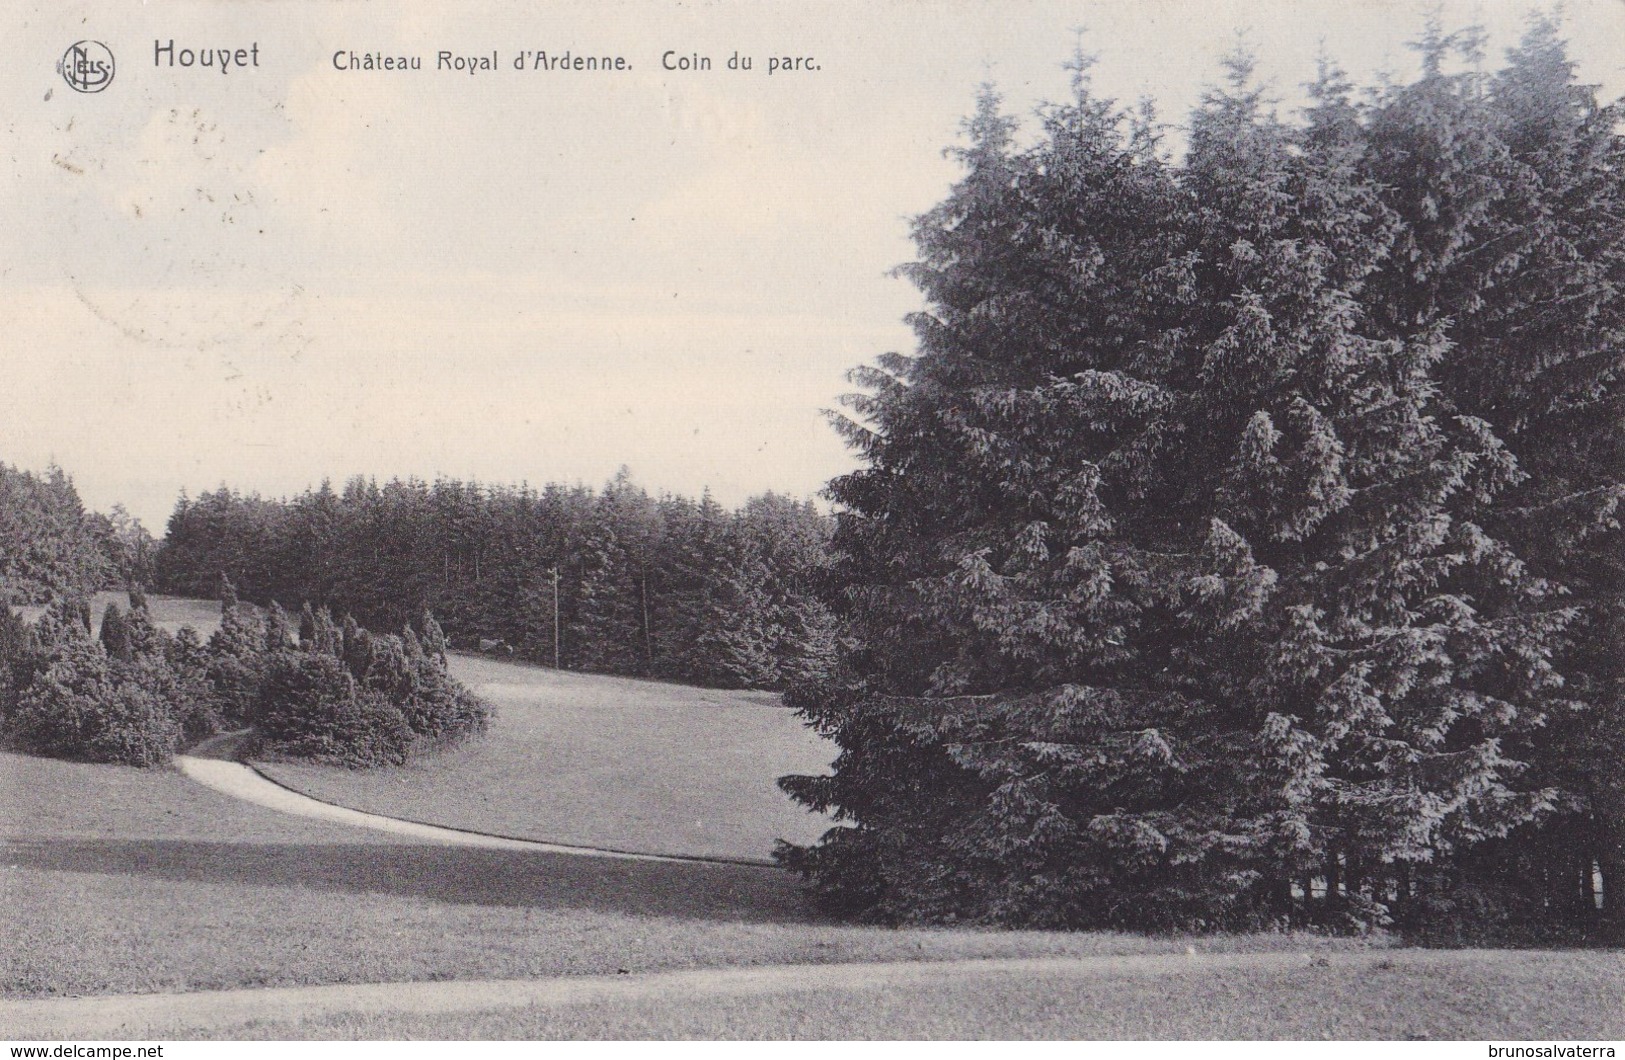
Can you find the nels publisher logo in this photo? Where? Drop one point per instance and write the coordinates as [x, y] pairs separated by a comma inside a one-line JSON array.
[[87, 66]]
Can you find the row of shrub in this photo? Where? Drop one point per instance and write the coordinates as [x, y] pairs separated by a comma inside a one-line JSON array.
[[335, 692], [132, 697], [317, 690]]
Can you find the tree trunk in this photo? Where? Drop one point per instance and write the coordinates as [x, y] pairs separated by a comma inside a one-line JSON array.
[[1608, 810]]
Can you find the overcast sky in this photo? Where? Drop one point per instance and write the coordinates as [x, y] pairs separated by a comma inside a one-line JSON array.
[[284, 273]]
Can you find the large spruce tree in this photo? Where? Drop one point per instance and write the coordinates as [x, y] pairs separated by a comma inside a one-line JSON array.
[[1174, 593], [1516, 251]]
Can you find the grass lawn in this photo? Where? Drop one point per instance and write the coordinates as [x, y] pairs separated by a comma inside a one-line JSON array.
[[1405, 994], [582, 759], [601, 761], [168, 612], [118, 880]]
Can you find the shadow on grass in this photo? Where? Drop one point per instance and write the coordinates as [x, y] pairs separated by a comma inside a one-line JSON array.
[[461, 875]]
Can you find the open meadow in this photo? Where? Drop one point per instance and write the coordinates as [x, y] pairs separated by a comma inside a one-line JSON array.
[[118, 881], [169, 613], [607, 762], [176, 911]]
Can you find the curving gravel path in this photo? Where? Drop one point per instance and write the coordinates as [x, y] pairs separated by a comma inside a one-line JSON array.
[[243, 782], [129, 1016]]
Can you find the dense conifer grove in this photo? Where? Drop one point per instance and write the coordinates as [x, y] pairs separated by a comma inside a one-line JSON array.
[[1241, 545], [656, 587], [51, 547]]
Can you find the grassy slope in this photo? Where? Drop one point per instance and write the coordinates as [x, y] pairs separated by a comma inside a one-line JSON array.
[[575, 758], [601, 761], [116, 880], [169, 612], [120, 880], [1437, 995]]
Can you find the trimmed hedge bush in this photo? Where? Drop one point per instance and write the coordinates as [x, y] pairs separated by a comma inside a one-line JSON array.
[[311, 706], [84, 707], [134, 695], [349, 697]]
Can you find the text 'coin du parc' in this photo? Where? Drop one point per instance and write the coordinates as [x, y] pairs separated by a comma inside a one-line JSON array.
[[567, 61]]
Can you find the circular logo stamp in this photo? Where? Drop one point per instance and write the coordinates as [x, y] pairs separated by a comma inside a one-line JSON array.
[[87, 66]]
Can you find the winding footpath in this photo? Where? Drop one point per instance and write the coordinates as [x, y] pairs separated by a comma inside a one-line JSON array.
[[212, 764], [242, 782], [131, 1016]]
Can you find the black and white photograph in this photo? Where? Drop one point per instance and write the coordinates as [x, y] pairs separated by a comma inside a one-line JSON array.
[[965, 521]]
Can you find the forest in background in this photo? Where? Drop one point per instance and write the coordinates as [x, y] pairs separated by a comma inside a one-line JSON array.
[[52, 547], [643, 586]]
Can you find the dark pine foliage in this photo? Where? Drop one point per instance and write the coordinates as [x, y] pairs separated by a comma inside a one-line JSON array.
[[135, 694], [51, 547], [334, 692], [132, 696], [1240, 544]]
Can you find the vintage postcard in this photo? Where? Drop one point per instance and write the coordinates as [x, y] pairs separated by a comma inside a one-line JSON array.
[[924, 519]]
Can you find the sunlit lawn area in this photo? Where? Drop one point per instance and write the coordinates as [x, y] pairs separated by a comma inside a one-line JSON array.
[[121, 880], [168, 612], [117, 880], [601, 761]]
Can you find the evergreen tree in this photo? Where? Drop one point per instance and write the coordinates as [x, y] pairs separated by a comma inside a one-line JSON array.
[[236, 658], [77, 608], [128, 547], [278, 628], [80, 704], [357, 647], [144, 636], [1517, 254], [991, 594], [434, 638], [791, 542], [693, 548], [195, 704], [735, 643], [329, 640], [49, 545], [16, 659], [1161, 569], [114, 637], [604, 635]]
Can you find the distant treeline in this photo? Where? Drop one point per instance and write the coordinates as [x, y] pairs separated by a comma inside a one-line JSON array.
[[665, 587], [51, 547]]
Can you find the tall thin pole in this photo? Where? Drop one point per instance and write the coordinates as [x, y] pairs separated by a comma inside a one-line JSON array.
[[648, 645], [556, 619]]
